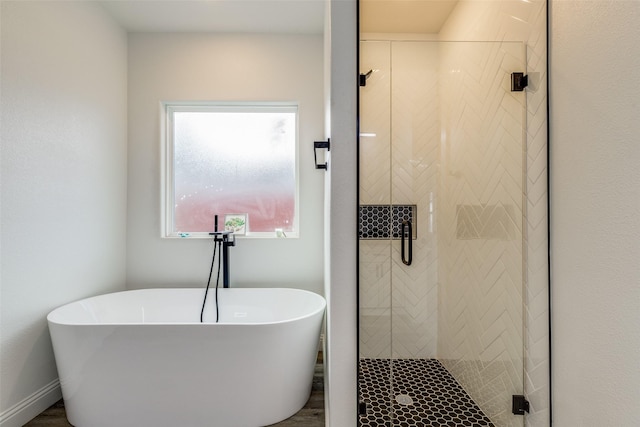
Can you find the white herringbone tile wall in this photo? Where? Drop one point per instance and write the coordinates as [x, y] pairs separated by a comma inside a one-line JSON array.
[[375, 189], [401, 107], [513, 20], [375, 122], [480, 339], [415, 132], [375, 299]]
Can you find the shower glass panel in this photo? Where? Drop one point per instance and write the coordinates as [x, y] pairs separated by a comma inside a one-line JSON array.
[[442, 161]]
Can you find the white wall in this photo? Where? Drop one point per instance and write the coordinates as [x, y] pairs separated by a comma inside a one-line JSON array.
[[341, 263], [63, 172], [595, 212], [259, 67]]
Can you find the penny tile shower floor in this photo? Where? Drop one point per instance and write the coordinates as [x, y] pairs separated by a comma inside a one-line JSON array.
[[424, 395]]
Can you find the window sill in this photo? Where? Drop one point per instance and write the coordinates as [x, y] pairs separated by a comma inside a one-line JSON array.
[[248, 236]]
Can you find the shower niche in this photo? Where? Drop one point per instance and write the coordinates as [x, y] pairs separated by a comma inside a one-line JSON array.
[[441, 339]]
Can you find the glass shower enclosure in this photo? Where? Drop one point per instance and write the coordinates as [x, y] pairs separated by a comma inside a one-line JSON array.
[[441, 236]]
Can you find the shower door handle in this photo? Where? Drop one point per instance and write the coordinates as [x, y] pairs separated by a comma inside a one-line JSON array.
[[406, 254]]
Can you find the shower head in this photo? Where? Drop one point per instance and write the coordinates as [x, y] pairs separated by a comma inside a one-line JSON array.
[[364, 77]]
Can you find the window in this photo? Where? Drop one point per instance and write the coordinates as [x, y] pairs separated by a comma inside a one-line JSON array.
[[224, 159]]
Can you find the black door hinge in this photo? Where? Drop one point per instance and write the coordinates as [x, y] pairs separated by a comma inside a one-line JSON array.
[[518, 82], [520, 405], [362, 408]]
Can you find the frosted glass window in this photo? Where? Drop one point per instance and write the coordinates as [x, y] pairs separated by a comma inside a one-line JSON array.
[[232, 159]]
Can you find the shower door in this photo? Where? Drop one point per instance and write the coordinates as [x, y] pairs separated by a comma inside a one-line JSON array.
[[442, 152]]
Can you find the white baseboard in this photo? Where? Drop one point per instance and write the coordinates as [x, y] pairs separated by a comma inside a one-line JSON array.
[[27, 409]]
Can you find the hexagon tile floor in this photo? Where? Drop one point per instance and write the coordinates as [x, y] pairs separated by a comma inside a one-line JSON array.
[[424, 395]]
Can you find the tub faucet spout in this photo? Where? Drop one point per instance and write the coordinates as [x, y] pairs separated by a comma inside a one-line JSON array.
[[226, 242]]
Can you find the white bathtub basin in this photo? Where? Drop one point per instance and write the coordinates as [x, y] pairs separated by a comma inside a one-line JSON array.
[[142, 358]]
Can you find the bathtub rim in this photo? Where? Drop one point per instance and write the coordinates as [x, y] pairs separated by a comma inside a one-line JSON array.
[[56, 312]]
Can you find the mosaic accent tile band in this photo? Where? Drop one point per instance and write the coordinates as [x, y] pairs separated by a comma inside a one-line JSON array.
[[382, 221], [424, 395]]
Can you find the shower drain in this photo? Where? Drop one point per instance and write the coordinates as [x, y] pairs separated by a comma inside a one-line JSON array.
[[404, 399]]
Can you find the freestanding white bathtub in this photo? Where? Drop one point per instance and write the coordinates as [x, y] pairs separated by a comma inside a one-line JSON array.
[[142, 358]]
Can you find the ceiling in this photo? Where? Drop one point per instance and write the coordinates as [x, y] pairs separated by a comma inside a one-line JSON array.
[[273, 16], [404, 16], [224, 16]]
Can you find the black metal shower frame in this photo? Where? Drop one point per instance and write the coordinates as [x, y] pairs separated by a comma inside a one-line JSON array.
[[358, 82]]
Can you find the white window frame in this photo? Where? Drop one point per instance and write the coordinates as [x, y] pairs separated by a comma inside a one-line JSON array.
[[167, 161]]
